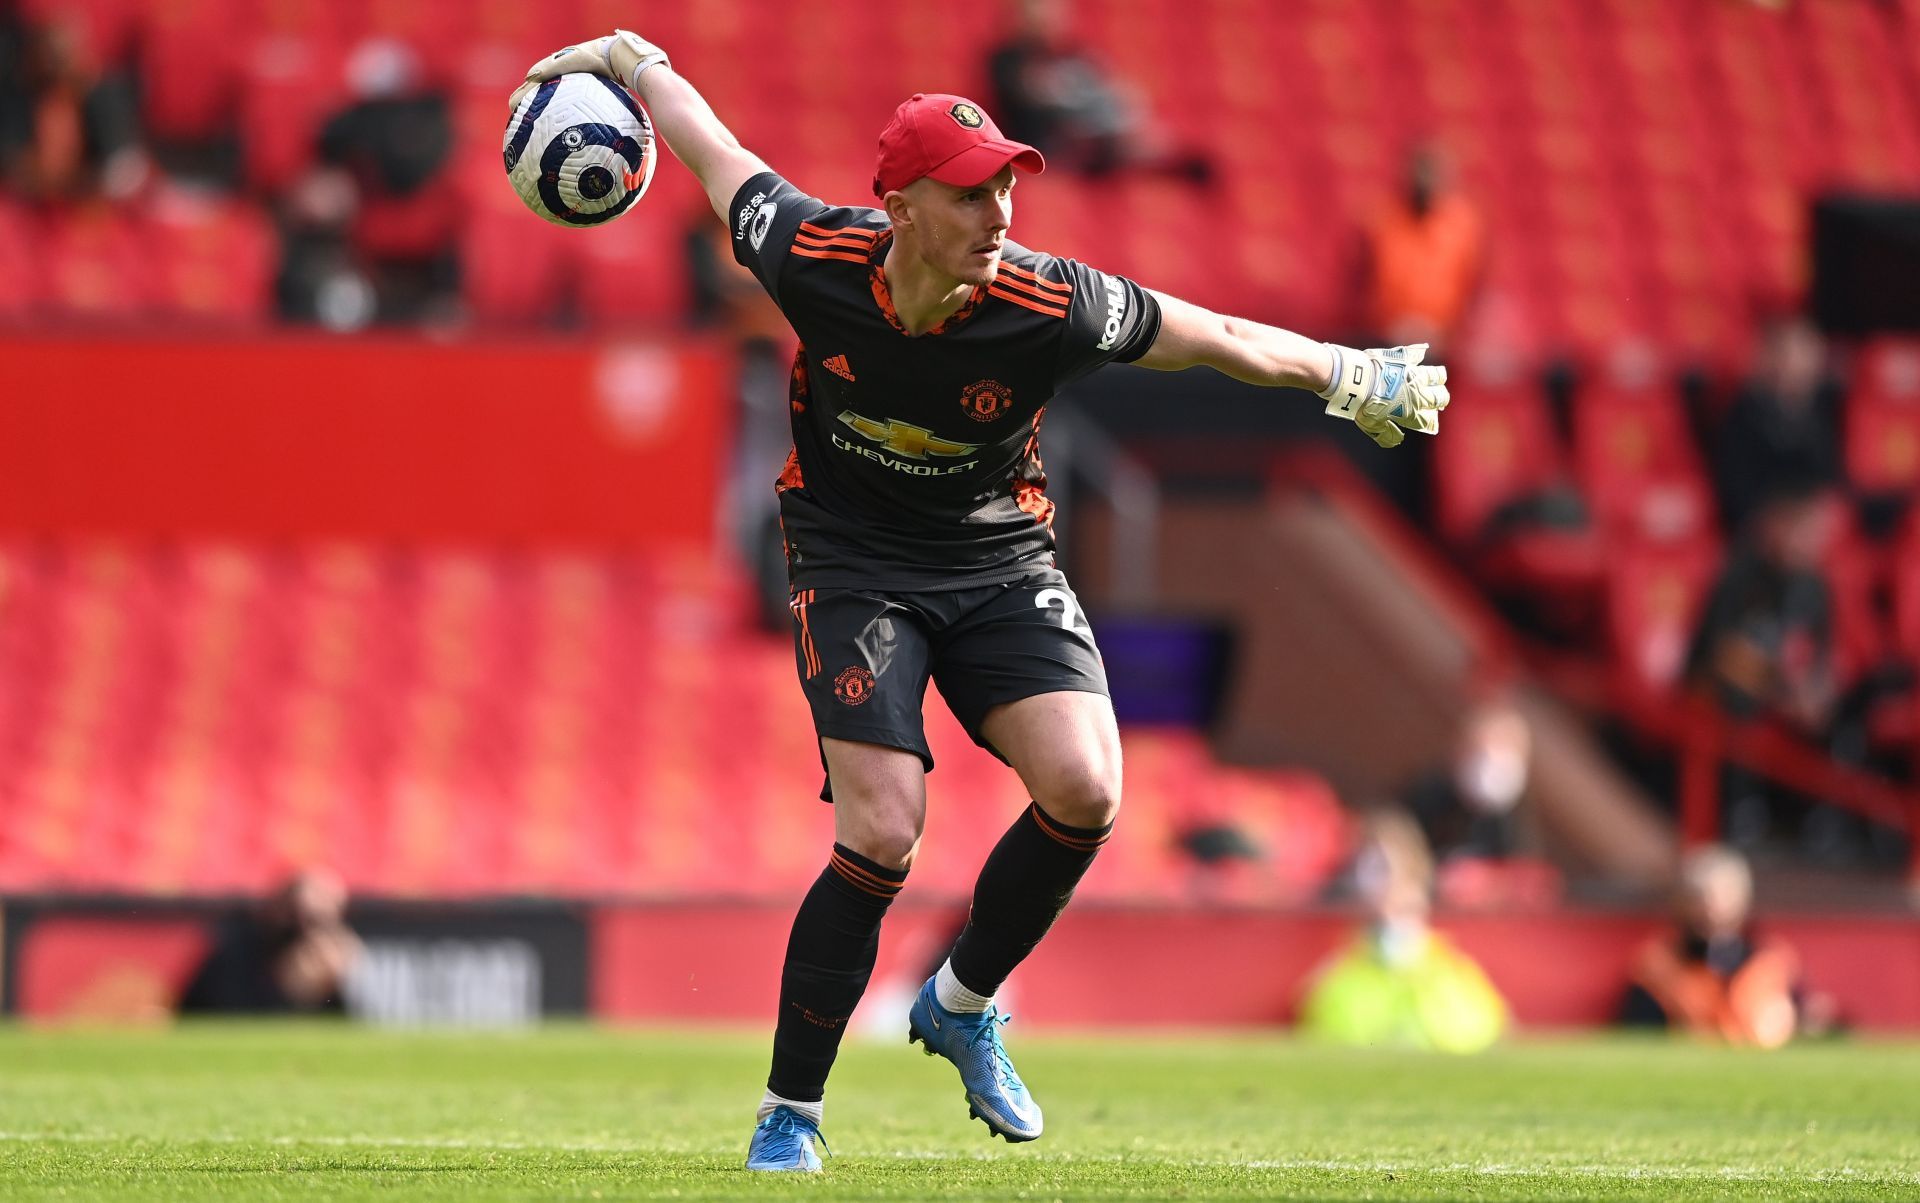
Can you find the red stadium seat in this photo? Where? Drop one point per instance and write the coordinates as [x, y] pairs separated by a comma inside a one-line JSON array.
[[1501, 448], [514, 267], [1883, 420], [190, 57], [1861, 635], [1654, 598], [95, 264], [635, 270], [20, 285], [422, 25], [104, 31], [1888, 370], [1906, 596], [1505, 500], [1638, 465], [212, 258], [288, 87]]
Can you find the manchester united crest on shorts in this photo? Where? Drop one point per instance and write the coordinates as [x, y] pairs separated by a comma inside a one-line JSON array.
[[985, 400], [853, 686]]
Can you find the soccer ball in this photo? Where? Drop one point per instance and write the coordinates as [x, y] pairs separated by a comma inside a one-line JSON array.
[[579, 150]]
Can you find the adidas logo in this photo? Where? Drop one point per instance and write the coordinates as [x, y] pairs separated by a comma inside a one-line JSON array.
[[837, 364]]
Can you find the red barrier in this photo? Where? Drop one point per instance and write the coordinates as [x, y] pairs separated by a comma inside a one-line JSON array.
[[1181, 967], [1176, 967], [106, 969], [386, 438]]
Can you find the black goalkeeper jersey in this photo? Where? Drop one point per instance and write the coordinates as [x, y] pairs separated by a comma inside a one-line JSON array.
[[916, 460]]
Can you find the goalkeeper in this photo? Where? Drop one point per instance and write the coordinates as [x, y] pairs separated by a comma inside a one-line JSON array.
[[920, 544]]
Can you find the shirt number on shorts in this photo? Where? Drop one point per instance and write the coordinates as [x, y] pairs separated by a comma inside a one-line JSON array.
[[1047, 599]]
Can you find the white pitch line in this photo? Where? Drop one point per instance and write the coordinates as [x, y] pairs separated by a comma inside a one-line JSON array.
[[1725, 1173]]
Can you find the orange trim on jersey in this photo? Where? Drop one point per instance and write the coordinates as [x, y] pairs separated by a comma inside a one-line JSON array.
[[1026, 289], [808, 652], [824, 232], [790, 477], [1032, 277], [1007, 294], [798, 386], [1032, 450], [849, 256], [1077, 843], [869, 882], [822, 240], [961, 314], [883, 297], [1033, 499]]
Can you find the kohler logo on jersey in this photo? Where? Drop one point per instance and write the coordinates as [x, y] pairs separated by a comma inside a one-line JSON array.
[[1116, 310]]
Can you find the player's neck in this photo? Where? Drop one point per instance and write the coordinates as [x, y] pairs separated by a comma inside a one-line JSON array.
[[922, 296]]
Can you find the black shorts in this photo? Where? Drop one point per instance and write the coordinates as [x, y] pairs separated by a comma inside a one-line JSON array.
[[865, 656]]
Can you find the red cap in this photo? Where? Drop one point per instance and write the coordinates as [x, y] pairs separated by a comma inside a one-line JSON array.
[[949, 138]]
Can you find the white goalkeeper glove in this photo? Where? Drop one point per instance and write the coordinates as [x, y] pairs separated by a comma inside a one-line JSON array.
[[1386, 390], [620, 56]]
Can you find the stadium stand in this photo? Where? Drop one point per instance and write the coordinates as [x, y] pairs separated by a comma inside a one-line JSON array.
[[1644, 169], [1599, 136], [196, 718]]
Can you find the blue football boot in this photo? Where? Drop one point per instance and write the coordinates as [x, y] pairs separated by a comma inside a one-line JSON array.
[[995, 1094], [784, 1141]]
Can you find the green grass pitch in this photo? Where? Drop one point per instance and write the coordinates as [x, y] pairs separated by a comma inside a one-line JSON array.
[[274, 1111]]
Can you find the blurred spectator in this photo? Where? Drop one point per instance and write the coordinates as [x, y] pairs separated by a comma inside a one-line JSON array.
[[1050, 93], [67, 129], [1466, 808], [1399, 982], [1783, 423], [1765, 650], [1218, 853], [1425, 258], [292, 952], [1765, 641], [1710, 976], [1764, 645], [369, 232]]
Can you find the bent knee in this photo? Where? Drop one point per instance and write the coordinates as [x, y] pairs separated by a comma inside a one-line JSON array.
[[885, 835], [1082, 799], [893, 848]]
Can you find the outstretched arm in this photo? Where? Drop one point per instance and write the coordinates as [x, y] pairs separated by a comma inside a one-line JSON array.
[[1383, 391], [681, 116], [1192, 337], [697, 138]]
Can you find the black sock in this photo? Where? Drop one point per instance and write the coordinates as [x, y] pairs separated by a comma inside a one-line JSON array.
[[830, 956], [1023, 888]]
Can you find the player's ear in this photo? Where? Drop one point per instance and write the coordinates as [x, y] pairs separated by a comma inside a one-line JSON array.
[[899, 208]]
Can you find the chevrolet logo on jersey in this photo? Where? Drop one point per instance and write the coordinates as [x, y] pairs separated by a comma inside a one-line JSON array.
[[904, 439]]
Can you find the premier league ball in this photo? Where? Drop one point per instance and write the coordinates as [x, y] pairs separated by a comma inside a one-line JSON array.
[[579, 150]]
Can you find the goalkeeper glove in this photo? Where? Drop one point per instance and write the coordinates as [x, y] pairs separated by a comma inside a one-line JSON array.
[[1386, 390], [620, 56]]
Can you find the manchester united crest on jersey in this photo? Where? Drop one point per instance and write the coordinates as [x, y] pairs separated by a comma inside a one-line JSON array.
[[985, 400]]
